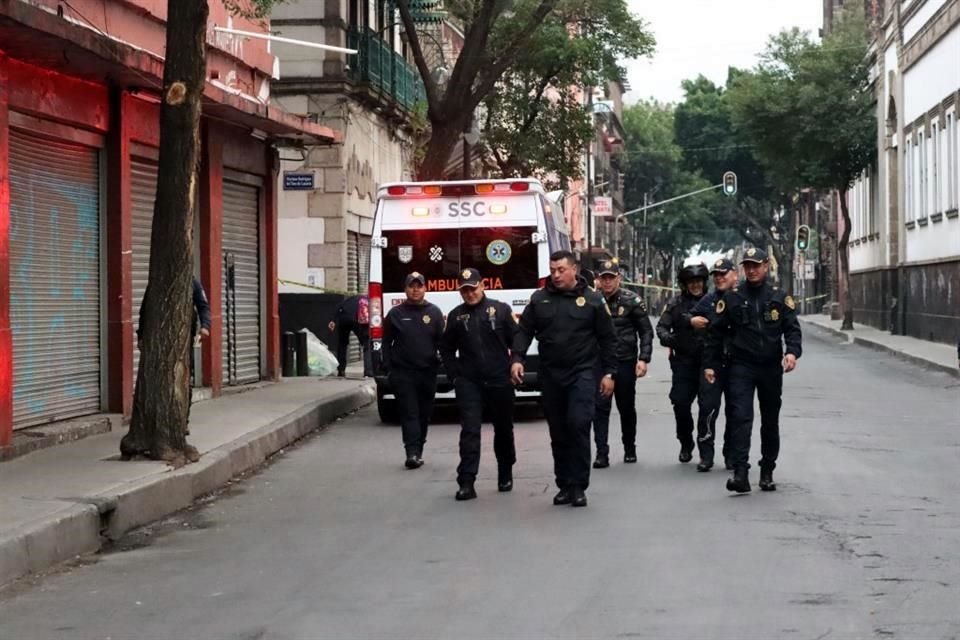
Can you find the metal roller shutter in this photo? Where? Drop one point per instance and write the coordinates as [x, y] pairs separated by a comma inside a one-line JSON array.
[[143, 191], [358, 277], [241, 298], [54, 279]]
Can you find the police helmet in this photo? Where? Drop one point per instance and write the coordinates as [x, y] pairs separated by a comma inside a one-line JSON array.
[[692, 272]]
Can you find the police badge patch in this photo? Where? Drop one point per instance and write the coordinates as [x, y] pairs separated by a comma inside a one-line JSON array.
[[774, 315], [426, 319], [721, 305], [405, 253], [791, 304], [581, 301]]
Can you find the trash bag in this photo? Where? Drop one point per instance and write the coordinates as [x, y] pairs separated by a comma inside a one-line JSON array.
[[320, 361]]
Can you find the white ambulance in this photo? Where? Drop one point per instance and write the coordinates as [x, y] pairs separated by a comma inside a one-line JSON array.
[[506, 229]]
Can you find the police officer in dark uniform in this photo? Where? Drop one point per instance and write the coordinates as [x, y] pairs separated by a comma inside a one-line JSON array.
[[573, 326], [476, 354], [634, 345], [411, 337], [724, 273], [686, 351], [764, 342]]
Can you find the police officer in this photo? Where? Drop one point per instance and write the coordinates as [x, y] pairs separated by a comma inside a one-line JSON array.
[[634, 345], [761, 320], [724, 274], [573, 326], [476, 354], [686, 351], [411, 336]]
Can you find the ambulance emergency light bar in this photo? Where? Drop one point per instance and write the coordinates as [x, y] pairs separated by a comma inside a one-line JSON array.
[[456, 190]]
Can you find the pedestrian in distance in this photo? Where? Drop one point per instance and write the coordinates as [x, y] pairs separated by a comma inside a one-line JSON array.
[[634, 332], [476, 355], [686, 352], [710, 397], [758, 323], [411, 337], [200, 330], [352, 316], [575, 331]]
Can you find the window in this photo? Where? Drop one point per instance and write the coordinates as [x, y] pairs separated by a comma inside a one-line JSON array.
[[952, 163], [909, 180], [935, 170], [922, 185]]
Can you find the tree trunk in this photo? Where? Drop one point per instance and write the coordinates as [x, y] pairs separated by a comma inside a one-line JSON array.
[[161, 402], [844, 255], [443, 140]]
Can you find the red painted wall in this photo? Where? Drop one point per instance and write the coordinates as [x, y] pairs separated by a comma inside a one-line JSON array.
[[211, 250], [6, 339]]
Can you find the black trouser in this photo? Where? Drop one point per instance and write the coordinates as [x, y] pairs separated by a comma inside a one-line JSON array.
[[362, 331], [709, 400], [625, 392], [686, 386], [415, 392], [767, 381], [569, 407], [472, 399]]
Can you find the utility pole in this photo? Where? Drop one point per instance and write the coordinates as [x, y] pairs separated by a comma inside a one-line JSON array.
[[589, 150], [646, 247]]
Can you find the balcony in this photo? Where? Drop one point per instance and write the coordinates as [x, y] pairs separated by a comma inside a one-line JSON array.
[[383, 70]]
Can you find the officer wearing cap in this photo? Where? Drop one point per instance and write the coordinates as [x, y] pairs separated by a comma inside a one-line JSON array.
[[411, 337], [686, 351], [634, 346], [763, 343], [573, 326], [476, 354], [709, 399]]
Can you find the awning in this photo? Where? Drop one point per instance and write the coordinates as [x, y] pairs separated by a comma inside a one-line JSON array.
[[43, 38]]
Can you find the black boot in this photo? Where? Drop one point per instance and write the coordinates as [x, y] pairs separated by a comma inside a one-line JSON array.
[[629, 453], [578, 497], [740, 482], [602, 461], [413, 461], [686, 453], [766, 480], [706, 463], [504, 478], [465, 492], [563, 497]]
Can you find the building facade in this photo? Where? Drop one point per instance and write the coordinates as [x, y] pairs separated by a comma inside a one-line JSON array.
[[376, 98], [905, 228], [79, 138]]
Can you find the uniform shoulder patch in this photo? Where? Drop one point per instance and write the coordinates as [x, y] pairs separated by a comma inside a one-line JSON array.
[[790, 302]]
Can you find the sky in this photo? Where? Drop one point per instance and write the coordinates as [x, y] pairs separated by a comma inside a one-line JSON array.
[[708, 36]]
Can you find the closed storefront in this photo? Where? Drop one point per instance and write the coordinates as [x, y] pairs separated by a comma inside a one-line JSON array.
[[241, 282], [143, 189], [55, 276], [358, 277]]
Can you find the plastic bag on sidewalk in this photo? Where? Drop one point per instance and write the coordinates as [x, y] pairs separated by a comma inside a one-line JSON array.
[[320, 361]]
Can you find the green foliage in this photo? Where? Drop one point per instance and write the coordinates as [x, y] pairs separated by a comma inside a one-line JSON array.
[[656, 166], [535, 124]]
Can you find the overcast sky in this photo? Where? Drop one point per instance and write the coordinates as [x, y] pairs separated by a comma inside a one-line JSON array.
[[708, 36]]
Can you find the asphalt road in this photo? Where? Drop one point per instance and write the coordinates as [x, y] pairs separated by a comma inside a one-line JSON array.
[[337, 540]]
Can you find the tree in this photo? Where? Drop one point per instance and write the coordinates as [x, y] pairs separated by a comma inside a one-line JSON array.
[[535, 122], [162, 396], [760, 214], [495, 34], [655, 167], [809, 111]]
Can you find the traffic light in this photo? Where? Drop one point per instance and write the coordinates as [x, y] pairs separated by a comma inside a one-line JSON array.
[[730, 184], [803, 237]]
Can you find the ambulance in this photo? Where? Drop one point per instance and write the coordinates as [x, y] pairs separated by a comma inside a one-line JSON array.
[[506, 229]]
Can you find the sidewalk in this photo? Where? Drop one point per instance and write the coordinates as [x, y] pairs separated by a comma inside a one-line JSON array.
[[63, 501], [933, 355]]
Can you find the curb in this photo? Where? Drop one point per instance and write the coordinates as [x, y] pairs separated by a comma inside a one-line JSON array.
[[84, 527], [882, 348]]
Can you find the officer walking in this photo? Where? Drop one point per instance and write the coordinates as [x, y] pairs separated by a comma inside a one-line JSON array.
[[476, 354], [411, 336], [573, 326], [634, 345], [761, 320], [686, 351], [724, 274]]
